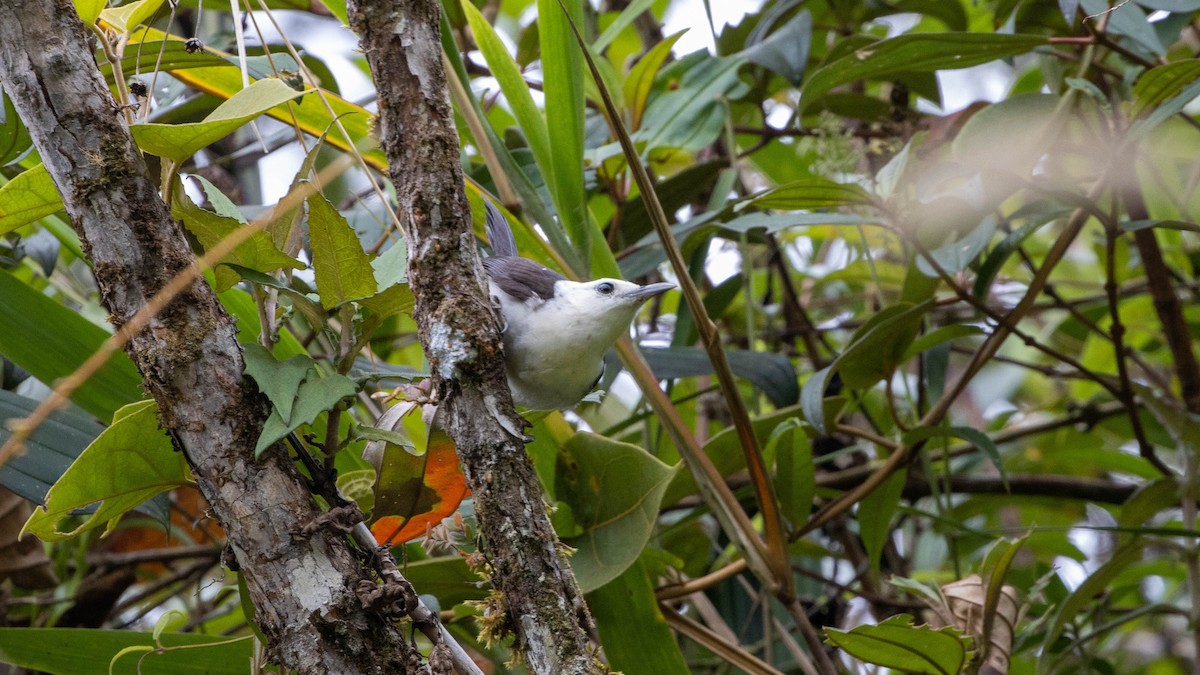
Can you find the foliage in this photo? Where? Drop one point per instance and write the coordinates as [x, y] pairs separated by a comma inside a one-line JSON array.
[[946, 329]]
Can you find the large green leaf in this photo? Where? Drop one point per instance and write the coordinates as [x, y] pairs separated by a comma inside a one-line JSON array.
[[875, 514], [27, 197], [130, 15], [14, 136], [786, 50], [512, 83], [795, 475], [613, 489], [180, 141], [916, 53], [314, 396], [640, 80], [899, 645], [634, 633], [774, 374], [51, 341], [257, 252], [49, 450], [811, 193], [87, 651], [342, 268], [562, 76], [130, 462], [1162, 83], [691, 115]]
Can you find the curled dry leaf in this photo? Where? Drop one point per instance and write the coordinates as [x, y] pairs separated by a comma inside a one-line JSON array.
[[967, 600]]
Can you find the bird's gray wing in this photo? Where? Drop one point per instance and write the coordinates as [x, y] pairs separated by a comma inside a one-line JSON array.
[[499, 232], [521, 278]]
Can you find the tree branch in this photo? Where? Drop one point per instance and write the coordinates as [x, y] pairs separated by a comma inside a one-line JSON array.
[[461, 338], [188, 355]]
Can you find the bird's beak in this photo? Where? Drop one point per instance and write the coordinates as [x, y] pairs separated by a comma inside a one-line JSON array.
[[648, 291]]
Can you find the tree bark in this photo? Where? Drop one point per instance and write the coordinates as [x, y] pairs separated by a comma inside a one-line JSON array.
[[461, 337], [303, 587]]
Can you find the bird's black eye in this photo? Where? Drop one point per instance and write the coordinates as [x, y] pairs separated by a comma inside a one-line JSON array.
[[605, 288]]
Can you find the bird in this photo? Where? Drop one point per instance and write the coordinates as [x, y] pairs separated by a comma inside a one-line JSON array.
[[555, 331]]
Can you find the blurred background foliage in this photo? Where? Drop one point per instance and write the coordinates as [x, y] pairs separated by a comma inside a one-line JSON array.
[[949, 249]]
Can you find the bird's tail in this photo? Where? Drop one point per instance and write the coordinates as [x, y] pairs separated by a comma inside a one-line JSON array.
[[499, 232]]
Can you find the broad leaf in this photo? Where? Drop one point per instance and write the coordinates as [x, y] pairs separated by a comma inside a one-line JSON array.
[[614, 490], [257, 252], [772, 373], [26, 198], [180, 141], [635, 635], [279, 380], [414, 492], [342, 268], [130, 462], [786, 50], [51, 341], [916, 53], [49, 450], [90, 650], [875, 513], [899, 645], [316, 395], [811, 193], [129, 16]]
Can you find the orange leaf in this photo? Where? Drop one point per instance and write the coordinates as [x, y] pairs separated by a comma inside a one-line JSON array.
[[414, 493]]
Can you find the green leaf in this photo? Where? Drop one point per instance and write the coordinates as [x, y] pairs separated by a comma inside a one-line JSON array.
[[795, 475], [627, 16], [812, 398], [1162, 83], [342, 269], [991, 264], [49, 450], [179, 141], [562, 77], [899, 645], [129, 16], [516, 90], [916, 53], [634, 633], [391, 266], [257, 252], [1010, 136], [449, 579], [29, 196], [939, 336], [724, 451], [954, 256], [89, 10], [692, 115], [130, 462], [772, 373], [614, 490], [14, 136], [786, 50], [279, 380], [810, 193], [51, 341], [971, 435], [879, 345], [1095, 584], [875, 513], [640, 80], [44, 649], [316, 395]]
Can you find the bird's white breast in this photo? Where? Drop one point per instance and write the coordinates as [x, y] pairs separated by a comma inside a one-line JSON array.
[[554, 349]]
